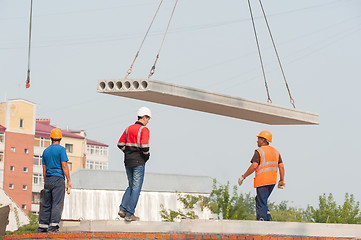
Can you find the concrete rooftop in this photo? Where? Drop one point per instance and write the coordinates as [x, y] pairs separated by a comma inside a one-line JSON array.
[[219, 226]]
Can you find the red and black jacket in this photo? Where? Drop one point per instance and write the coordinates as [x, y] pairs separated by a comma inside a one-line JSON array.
[[134, 142]]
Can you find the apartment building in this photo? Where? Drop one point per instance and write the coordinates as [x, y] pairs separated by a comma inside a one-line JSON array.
[[23, 138]]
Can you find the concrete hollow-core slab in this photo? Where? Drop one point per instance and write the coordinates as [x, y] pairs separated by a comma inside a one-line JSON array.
[[205, 101]]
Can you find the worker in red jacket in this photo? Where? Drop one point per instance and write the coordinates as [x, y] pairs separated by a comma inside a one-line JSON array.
[[134, 142], [265, 162]]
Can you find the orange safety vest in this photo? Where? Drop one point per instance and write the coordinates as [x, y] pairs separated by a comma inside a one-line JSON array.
[[266, 172]]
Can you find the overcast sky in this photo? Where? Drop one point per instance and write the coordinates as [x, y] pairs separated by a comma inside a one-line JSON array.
[[211, 46]]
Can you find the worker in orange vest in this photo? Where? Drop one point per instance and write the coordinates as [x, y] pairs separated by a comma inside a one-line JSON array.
[[265, 161]]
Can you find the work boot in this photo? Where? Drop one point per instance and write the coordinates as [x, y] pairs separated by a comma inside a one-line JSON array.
[[53, 229], [121, 213], [130, 218]]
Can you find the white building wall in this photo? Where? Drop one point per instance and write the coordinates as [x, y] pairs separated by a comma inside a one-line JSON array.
[[38, 150], [104, 205], [17, 217]]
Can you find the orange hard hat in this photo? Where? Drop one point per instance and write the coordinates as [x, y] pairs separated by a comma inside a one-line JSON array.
[[266, 134], [56, 134]]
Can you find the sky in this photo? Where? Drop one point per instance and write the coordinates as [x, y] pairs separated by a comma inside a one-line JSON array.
[[210, 45]]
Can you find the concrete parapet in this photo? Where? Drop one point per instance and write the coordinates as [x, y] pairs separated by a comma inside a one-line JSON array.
[[230, 227]]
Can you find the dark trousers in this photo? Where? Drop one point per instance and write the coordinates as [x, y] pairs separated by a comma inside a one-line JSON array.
[[52, 204], [262, 211]]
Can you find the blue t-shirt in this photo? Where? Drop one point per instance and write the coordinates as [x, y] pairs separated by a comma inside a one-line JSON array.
[[53, 156]]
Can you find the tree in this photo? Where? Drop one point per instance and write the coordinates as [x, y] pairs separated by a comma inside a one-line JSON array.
[[349, 212], [227, 206], [283, 213], [329, 212], [189, 203], [220, 202]]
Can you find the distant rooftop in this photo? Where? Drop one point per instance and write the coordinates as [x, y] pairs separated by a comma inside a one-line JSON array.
[[2, 128], [92, 142], [43, 129], [153, 182]]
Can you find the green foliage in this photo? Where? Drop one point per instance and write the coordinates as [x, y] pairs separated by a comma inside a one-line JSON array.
[[329, 212], [33, 218], [24, 229], [283, 213], [32, 227], [17, 217], [189, 203], [231, 207], [240, 206], [349, 212], [171, 215]]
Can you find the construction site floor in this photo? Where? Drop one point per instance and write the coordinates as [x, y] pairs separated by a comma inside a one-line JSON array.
[[218, 227]]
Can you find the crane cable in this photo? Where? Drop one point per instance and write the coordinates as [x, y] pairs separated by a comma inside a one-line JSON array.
[[27, 85], [259, 52], [141, 45], [292, 101], [152, 70]]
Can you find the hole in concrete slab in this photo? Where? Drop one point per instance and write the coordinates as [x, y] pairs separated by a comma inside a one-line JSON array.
[[127, 84], [102, 85], [119, 84], [110, 85], [136, 84], [144, 84]]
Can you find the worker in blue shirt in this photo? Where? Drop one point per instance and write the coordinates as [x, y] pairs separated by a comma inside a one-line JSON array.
[[55, 169]]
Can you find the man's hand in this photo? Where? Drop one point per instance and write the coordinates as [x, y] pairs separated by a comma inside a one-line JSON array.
[[281, 184], [240, 180], [68, 187]]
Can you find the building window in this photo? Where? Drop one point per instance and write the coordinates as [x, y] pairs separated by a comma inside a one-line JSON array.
[[1, 156], [26, 151], [96, 165], [105, 152], [69, 148], [12, 168], [25, 187], [37, 179], [69, 166], [36, 198], [42, 142], [12, 149], [37, 160], [97, 150], [23, 206], [11, 186], [26, 169], [2, 136], [21, 123]]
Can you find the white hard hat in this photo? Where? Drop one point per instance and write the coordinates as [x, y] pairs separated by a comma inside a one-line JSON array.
[[144, 111]]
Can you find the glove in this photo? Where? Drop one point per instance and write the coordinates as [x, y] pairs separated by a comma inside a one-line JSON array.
[[281, 184], [68, 187], [240, 180]]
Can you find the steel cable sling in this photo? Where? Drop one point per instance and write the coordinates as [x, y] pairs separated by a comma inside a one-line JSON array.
[[141, 45], [275, 49], [152, 70], [27, 85], [278, 58], [259, 52]]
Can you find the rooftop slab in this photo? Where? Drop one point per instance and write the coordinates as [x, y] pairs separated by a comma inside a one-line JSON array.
[[218, 227], [205, 101]]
